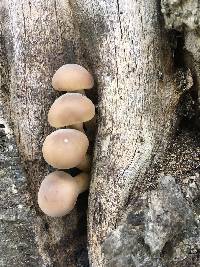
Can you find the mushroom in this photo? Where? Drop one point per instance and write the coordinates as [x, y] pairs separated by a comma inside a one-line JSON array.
[[69, 109], [72, 77], [59, 191], [65, 148]]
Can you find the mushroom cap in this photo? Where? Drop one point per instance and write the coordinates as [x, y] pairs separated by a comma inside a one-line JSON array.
[[72, 77], [65, 148], [57, 194], [71, 108]]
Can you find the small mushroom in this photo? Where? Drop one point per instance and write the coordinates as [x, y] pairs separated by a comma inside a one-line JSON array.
[[65, 148], [72, 77], [59, 191], [69, 109]]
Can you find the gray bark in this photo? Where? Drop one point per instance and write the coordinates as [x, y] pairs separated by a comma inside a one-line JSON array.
[[138, 94], [143, 202], [184, 16], [36, 37]]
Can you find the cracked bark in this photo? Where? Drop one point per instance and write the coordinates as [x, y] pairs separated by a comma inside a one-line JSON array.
[[37, 38], [127, 49]]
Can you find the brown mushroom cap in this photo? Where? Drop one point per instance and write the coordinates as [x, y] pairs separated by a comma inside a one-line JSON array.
[[72, 77], [59, 191], [70, 109], [65, 148], [57, 194]]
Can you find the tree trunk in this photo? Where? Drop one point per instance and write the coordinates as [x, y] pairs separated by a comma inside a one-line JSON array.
[[37, 37], [144, 194]]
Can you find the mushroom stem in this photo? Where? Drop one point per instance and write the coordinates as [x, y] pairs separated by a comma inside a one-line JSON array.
[[78, 126], [81, 92], [90, 128], [91, 123], [83, 181], [85, 164]]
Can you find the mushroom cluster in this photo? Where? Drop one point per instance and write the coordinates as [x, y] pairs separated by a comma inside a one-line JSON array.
[[66, 148]]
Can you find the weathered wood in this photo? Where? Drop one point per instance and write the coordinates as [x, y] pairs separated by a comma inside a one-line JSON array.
[[131, 58], [17, 242], [39, 38], [184, 16]]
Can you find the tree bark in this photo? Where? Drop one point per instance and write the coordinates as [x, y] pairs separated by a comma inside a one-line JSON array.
[[134, 211], [38, 38], [137, 101]]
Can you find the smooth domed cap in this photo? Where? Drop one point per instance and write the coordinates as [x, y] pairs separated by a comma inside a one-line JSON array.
[[65, 148], [72, 77], [71, 108], [57, 194]]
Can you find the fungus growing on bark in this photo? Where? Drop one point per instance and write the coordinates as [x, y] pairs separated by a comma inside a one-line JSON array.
[[72, 77], [59, 191], [65, 148], [69, 109]]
